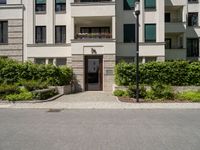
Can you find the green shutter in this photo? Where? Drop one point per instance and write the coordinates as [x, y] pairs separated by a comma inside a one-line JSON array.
[[151, 4], [40, 1], [128, 4], [129, 33], [150, 33], [60, 1]]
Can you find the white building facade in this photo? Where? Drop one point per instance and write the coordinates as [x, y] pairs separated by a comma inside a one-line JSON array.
[[92, 35]]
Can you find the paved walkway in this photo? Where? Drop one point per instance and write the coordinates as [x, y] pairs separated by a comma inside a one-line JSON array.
[[93, 97], [98, 100]]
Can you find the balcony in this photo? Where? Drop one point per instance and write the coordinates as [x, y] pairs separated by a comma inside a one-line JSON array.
[[94, 28], [175, 2], [175, 20], [83, 8]]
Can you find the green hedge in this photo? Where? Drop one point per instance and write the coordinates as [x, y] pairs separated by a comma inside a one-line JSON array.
[[177, 73], [12, 72]]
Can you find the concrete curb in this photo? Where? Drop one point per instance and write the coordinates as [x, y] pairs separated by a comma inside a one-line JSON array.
[[101, 105]]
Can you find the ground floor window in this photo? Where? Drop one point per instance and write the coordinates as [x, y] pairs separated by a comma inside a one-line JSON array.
[[147, 59], [52, 61], [193, 47]]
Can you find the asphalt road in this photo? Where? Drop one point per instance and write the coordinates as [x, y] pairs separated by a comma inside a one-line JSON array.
[[99, 129]]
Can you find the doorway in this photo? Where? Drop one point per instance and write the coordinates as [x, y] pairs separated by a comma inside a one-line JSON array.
[[93, 73]]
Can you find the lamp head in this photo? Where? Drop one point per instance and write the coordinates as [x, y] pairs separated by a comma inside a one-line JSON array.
[[137, 7]]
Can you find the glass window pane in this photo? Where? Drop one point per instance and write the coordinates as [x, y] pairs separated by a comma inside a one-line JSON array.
[[40, 61], [129, 4], [61, 61], [2, 1], [40, 2], [3, 32], [150, 33], [129, 33], [150, 4]]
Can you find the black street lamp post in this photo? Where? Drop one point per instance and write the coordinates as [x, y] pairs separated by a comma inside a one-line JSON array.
[[137, 13]]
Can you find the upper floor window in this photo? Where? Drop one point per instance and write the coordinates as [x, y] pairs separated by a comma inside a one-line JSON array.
[[150, 4], [129, 33], [2, 1], [193, 1], [60, 34], [3, 31], [129, 4], [193, 19], [167, 17], [60, 5], [40, 6], [150, 32], [40, 34]]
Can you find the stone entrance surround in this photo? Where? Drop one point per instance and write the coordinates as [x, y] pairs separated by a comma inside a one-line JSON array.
[[78, 66]]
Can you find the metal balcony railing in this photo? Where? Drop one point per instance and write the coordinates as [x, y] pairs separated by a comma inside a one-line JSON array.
[[82, 1], [93, 36]]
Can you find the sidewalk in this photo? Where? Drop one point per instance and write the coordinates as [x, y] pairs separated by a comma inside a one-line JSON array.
[[97, 100]]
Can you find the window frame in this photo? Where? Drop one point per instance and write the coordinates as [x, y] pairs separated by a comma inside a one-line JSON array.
[[145, 36], [63, 5], [42, 5], [190, 24], [149, 8], [191, 52], [4, 32], [41, 40], [126, 40], [3, 2], [61, 41]]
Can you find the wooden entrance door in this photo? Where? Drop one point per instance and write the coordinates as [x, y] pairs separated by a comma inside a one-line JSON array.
[[93, 73]]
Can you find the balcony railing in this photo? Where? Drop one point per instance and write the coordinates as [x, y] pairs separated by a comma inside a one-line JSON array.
[[82, 1], [93, 36]]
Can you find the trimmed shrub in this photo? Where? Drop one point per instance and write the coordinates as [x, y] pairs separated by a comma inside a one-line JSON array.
[[176, 73], [8, 89], [44, 94], [190, 96], [118, 93], [32, 85], [22, 96], [12, 72], [132, 91], [160, 91]]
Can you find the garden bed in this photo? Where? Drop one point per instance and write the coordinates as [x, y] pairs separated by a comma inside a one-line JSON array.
[[133, 100], [158, 93]]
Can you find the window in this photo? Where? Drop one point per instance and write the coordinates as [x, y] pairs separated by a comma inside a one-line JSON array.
[[40, 60], [60, 34], [61, 61], [168, 43], [167, 17], [129, 33], [150, 59], [193, 47], [2, 1], [193, 1], [50, 61], [60, 5], [192, 19], [3, 31], [40, 6], [150, 32], [150, 4], [129, 4], [40, 34]]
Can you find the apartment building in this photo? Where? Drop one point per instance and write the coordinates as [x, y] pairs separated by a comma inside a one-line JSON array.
[[92, 35]]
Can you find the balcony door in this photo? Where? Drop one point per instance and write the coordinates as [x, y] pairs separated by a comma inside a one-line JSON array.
[[93, 73]]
